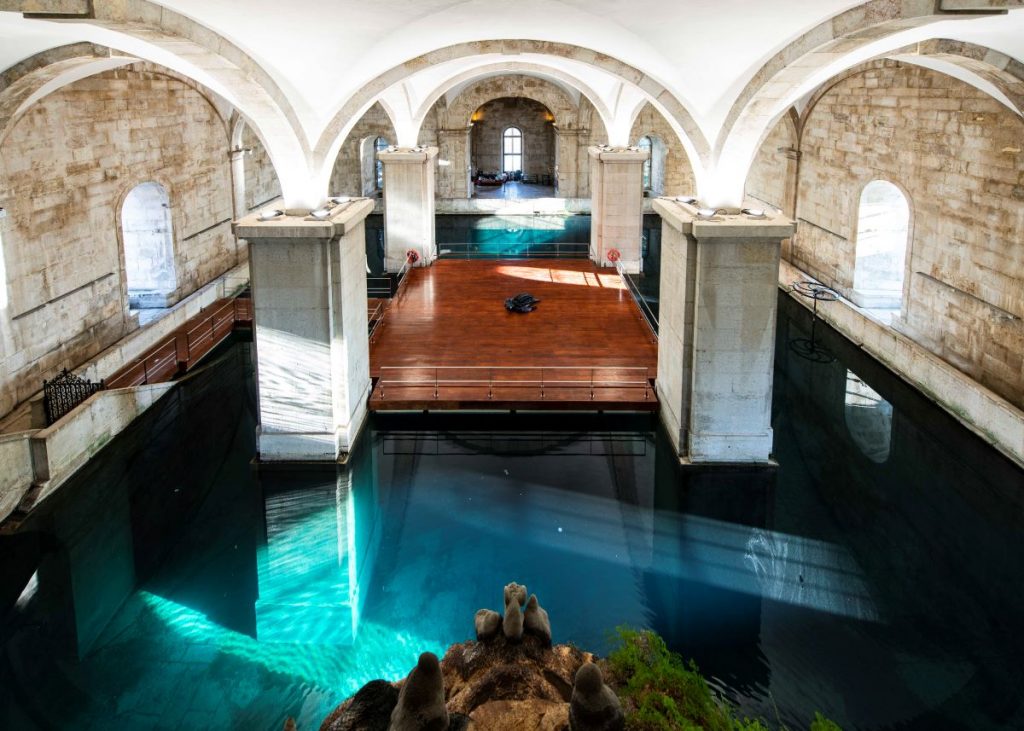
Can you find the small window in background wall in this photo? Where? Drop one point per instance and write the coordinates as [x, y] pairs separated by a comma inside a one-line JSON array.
[[379, 145], [647, 146], [868, 419], [148, 246], [883, 232]]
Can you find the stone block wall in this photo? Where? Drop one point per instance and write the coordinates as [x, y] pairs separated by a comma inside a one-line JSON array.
[[261, 183], [671, 173], [354, 169], [531, 117], [957, 154], [65, 168], [771, 176]]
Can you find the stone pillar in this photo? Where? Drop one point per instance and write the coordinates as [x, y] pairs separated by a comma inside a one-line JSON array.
[[617, 199], [310, 332], [567, 162], [455, 179], [716, 347], [409, 205]]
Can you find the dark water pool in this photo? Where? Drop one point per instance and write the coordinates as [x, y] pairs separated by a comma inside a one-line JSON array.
[[875, 576]]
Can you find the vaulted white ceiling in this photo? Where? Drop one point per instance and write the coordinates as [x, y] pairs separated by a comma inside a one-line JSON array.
[[696, 58]]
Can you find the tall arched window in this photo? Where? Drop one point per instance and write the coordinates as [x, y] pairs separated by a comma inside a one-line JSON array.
[[883, 229], [511, 150], [148, 246], [647, 146], [379, 145]]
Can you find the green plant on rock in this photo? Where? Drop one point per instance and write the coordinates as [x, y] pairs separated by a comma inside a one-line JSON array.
[[660, 692]]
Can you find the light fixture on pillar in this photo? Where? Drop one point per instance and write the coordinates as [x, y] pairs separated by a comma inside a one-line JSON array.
[[269, 214], [685, 199], [340, 199], [321, 214], [754, 212], [709, 213]]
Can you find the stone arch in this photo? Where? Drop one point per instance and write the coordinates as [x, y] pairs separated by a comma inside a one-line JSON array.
[[670, 165], [476, 95], [1004, 73], [24, 81], [347, 176], [512, 69], [159, 35], [675, 110], [832, 44], [28, 82]]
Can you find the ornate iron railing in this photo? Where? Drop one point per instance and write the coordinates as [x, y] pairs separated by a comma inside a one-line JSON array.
[[64, 393]]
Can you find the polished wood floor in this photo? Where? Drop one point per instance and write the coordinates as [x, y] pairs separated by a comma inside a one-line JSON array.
[[447, 341]]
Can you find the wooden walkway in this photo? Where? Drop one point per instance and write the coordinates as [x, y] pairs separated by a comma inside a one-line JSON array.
[[182, 349], [447, 342]]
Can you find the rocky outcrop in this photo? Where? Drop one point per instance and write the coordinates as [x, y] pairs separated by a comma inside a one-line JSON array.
[[594, 706], [421, 704], [510, 679], [535, 620]]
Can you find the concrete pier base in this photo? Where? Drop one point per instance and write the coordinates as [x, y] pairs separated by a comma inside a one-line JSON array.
[[717, 332], [310, 331]]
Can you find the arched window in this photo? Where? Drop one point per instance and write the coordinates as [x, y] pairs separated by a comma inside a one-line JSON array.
[[868, 419], [511, 150], [883, 229], [148, 246], [379, 145], [647, 146]]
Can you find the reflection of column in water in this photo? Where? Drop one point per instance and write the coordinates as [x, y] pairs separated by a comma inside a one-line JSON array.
[[322, 535]]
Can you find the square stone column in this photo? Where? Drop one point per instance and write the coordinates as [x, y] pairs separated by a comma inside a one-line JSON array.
[[409, 205], [716, 347], [567, 162], [455, 179], [617, 200], [310, 332]]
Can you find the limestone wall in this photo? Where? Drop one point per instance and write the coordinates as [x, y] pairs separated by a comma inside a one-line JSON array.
[[956, 152], [354, 169], [532, 118], [261, 183], [65, 168], [771, 177], [671, 172]]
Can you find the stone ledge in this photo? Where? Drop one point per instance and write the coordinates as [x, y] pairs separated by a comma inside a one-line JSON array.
[[985, 413]]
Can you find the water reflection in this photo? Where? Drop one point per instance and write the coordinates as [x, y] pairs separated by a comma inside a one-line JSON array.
[[174, 585]]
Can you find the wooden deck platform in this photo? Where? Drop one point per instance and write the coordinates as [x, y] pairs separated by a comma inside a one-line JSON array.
[[447, 342]]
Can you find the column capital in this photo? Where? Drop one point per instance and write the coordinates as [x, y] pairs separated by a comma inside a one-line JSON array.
[[689, 219], [617, 154], [341, 218], [407, 155]]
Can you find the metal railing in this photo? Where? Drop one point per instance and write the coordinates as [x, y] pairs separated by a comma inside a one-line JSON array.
[[63, 393], [387, 286], [474, 382], [552, 250], [374, 318], [645, 309]]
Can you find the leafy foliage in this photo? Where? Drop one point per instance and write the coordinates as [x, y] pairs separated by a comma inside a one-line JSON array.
[[662, 693]]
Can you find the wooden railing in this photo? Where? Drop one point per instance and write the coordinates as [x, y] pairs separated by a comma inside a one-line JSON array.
[[180, 350], [466, 383]]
